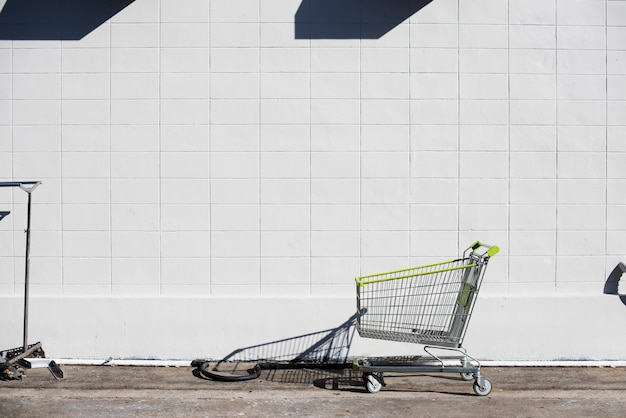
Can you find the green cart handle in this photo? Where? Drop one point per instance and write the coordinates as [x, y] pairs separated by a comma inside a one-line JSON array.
[[491, 249]]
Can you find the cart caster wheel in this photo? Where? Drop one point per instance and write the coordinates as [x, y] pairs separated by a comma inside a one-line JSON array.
[[373, 382], [484, 389], [467, 376]]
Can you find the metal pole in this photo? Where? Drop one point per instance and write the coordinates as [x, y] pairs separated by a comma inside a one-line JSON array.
[[26, 273], [28, 187]]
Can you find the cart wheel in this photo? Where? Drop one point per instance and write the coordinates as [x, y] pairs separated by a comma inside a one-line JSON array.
[[467, 376], [373, 382], [483, 390]]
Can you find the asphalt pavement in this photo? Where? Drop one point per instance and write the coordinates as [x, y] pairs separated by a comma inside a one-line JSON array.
[[127, 391]]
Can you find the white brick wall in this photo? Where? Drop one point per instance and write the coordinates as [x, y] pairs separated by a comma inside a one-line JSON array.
[[198, 148]]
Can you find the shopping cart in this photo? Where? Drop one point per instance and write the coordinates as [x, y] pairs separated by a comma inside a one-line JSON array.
[[429, 305]]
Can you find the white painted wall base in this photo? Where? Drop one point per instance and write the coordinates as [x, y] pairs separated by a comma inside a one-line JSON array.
[[503, 328]]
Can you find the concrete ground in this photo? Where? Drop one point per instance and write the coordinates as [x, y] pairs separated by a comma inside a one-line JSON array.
[[121, 391]]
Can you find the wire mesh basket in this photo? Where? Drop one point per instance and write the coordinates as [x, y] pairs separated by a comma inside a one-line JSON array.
[[429, 304]]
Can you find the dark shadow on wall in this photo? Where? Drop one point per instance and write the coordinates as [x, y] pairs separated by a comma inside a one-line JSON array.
[[352, 19], [611, 286], [55, 19]]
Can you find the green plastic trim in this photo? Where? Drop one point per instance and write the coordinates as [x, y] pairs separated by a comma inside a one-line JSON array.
[[493, 250], [463, 299], [362, 282], [409, 268]]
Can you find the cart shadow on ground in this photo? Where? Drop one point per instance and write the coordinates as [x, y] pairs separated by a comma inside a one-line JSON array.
[[405, 382], [347, 380], [320, 359], [300, 359]]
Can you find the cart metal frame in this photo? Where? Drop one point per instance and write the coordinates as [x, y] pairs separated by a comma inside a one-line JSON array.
[[13, 361], [429, 305]]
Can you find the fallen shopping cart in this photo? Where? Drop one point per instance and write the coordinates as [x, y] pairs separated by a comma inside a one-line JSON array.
[[429, 305]]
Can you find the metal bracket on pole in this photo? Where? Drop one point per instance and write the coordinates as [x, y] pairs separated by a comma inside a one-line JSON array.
[[13, 361]]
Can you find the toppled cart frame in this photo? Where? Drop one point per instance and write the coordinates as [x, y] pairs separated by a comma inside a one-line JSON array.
[[14, 361], [429, 305]]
